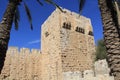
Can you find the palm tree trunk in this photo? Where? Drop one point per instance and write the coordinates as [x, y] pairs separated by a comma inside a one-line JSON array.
[[111, 36], [5, 27]]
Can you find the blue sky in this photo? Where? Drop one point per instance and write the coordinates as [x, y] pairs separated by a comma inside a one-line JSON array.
[[24, 37]]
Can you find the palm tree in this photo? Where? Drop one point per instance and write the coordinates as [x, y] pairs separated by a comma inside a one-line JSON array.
[[12, 15], [110, 14], [111, 35]]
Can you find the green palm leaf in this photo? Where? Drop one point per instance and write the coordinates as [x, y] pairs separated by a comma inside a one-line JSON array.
[[81, 5], [28, 15], [16, 18], [17, 14], [18, 1], [40, 2], [54, 4], [117, 9], [16, 23]]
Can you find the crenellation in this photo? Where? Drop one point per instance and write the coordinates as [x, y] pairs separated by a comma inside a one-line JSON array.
[[16, 50], [12, 50], [35, 51], [24, 51]]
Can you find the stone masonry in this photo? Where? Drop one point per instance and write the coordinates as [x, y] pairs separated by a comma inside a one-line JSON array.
[[67, 53], [32, 65], [100, 72], [22, 65], [71, 36]]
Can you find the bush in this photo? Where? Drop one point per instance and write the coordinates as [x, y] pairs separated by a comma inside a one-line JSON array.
[[100, 50]]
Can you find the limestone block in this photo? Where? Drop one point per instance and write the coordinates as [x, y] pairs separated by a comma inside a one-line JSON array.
[[105, 77], [101, 67], [88, 73], [72, 75]]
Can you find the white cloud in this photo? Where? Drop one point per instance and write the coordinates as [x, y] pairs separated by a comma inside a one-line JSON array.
[[34, 42]]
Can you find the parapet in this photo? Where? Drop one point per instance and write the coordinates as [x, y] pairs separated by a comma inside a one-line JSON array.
[[83, 21], [24, 50], [16, 50], [73, 14], [66, 11], [12, 50], [35, 51]]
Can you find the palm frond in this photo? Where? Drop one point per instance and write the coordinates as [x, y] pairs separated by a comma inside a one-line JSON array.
[[10, 0], [16, 23], [17, 14], [28, 15], [118, 2], [54, 4], [117, 9], [16, 18], [40, 2], [18, 1], [81, 5]]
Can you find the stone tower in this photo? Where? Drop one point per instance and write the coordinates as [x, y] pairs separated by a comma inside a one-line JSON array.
[[67, 53], [71, 36]]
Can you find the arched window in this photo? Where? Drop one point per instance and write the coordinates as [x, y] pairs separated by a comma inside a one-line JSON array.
[[67, 25], [90, 33], [80, 30]]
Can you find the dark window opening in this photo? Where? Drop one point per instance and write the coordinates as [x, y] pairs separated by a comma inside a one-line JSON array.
[[90, 33], [67, 25], [80, 30], [46, 34], [64, 24]]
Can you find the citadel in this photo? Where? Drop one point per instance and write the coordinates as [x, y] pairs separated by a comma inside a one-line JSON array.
[[67, 53]]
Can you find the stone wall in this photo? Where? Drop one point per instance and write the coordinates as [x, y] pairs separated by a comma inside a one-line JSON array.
[[101, 67], [100, 72], [67, 53], [71, 36], [31, 65], [51, 67], [22, 65], [77, 45]]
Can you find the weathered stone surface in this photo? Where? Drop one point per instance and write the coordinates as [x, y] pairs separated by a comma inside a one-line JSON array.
[[67, 53], [102, 74], [68, 36], [101, 67], [23, 65]]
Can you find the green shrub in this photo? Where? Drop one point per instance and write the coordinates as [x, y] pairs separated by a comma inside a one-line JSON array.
[[100, 50]]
